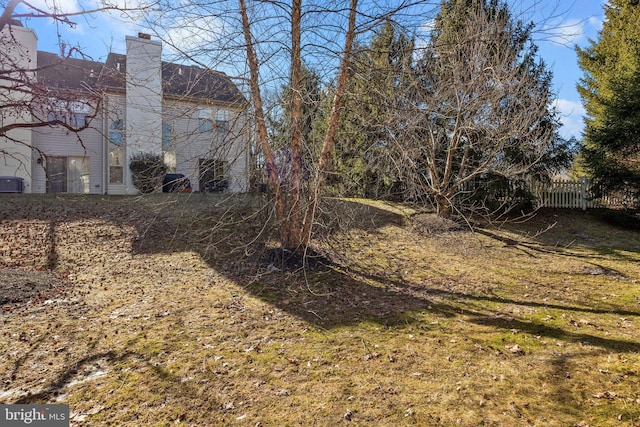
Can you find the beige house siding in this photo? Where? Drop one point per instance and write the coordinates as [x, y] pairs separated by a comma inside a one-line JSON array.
[[19, 45], [146, 96], [191, 144], [60, 142]]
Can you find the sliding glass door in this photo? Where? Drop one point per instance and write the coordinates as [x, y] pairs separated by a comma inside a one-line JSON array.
[[68, 175]]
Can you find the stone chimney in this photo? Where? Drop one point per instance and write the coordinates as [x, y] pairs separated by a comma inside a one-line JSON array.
[[143, 99]]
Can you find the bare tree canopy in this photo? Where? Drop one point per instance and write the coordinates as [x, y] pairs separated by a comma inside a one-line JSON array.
[[274, 40], [481, 105]]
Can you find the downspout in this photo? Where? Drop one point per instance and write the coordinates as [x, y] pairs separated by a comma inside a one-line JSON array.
[[105, 146]]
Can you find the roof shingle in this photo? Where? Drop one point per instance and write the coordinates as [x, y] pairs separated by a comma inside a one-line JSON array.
[[183, 81], [67, 73]]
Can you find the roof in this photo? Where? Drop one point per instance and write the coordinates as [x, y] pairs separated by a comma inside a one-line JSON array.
[[178, 80], [67, 73]]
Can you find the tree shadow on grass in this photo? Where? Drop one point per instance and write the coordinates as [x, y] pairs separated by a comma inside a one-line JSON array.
[[348, 300], [342, 300], [64, 378], [437, 293], [312, 288], [328, 294], [556, 231], [562, 334], [533, 249], [168, 387]]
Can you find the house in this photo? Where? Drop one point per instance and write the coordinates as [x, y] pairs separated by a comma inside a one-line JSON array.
[[93, 117]]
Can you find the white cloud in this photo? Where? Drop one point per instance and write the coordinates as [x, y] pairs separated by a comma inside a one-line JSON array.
[[571, 116], [57, 6], [427, 26], [568, 107], [596, 22], [572, 126], [190, 34], [127, 19], [566, 32], [422, 35]]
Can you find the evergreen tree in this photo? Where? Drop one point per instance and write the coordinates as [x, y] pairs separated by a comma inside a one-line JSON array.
[[610, 90], [279, 118], [481, 106], [363, 164], [311, 117]]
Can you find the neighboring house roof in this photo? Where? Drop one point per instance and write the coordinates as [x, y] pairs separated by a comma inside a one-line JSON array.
[[177, 80], [67, 73], [196, 82], [183, 81]]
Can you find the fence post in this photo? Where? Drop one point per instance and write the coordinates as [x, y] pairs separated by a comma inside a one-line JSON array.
[[583, 192]]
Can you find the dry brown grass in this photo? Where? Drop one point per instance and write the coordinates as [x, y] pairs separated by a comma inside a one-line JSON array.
[[164, 320]]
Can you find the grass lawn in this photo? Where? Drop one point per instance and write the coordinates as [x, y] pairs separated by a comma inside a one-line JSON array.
[[165, 310]]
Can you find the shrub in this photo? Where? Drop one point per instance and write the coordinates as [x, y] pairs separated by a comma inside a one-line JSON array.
[[147, 171]]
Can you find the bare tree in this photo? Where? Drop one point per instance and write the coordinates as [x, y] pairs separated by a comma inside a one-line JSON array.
[[275, 41], [295, 219], [481, 106]]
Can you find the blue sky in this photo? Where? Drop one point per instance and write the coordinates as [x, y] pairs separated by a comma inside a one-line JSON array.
[[567, 23], [561, 24]]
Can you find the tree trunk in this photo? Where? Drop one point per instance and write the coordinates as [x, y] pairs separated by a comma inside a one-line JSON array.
[[443, 206], [261, 126], [292, 225], [294, 220], [324, 163]]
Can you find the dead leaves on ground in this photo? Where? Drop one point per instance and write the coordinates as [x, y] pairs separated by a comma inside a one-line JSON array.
[[422, 344]]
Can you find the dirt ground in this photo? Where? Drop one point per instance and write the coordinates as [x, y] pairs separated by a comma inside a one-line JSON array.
[[18, 286]]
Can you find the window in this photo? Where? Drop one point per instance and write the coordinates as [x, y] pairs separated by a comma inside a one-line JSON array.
[[222, 121], [205, 125], [116, 132], [167, 136], [213, 175], [78, 120], [78, 175], [209, 120], [57, 115], [168, 148], [116, 152], [222, 125], [116, 166], [74, 113]]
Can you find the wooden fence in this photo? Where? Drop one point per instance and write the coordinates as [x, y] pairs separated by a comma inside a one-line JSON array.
[[580, 195]]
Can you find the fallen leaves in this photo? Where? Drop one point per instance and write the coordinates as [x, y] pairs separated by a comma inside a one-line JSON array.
[[331, 346], [606, 395], [515, 349]]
